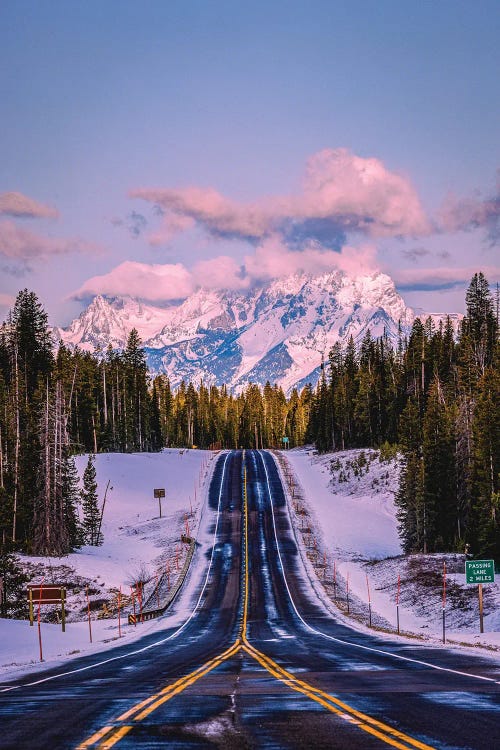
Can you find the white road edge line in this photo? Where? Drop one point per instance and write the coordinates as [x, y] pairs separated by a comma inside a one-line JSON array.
[[151, 645], [339, 640]]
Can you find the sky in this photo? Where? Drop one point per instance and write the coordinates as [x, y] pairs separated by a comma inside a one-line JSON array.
[[151, 148]]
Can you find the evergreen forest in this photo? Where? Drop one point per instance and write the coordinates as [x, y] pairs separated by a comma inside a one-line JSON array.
[[434, 398]]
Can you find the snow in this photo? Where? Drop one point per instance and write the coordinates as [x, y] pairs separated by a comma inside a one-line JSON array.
[[304, 314], [347, 501], [134, 537]]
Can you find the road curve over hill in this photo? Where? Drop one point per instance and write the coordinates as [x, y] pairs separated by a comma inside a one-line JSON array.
[[259, 663]]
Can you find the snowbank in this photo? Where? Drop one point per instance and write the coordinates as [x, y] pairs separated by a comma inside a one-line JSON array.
[[134, 537], [342, 507]]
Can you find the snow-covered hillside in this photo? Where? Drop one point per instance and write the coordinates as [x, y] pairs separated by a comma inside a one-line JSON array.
[[342, 506], [278, 332], [136, 541]]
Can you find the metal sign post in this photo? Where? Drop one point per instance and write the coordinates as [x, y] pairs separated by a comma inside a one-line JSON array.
[[480, 571], [159, 492], [285, 441]]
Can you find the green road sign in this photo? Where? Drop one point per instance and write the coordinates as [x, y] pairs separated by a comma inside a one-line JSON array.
[[285, 439], [480, 571]]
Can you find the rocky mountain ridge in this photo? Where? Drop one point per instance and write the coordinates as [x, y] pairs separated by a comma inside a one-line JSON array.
[[278, 332]]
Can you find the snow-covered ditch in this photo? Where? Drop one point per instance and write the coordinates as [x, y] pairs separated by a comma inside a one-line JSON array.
[[137, 543], [342, 508]]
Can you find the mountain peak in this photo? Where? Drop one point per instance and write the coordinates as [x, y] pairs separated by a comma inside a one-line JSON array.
[[276, 332]]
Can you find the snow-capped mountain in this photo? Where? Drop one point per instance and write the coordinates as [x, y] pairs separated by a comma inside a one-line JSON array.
[[278, 332]]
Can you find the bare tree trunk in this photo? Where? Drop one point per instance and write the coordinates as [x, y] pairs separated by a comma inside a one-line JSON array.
[[17, 447], [140, 426], [1, 460], [94, 434], [105, 401], [46, 498], [113, 416]]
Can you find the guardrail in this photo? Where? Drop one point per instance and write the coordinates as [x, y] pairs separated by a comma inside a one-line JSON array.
[[151, 614]]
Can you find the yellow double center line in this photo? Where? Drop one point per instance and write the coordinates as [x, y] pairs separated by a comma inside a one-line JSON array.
[[141, 710], [113, 733]]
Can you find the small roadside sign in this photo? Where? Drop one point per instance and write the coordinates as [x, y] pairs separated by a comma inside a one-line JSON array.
[[159, 492], [40, 594], [480, 571]]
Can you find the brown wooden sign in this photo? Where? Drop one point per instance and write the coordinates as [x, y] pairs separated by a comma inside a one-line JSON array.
[[45, 594], [159, 492], [38, 595]]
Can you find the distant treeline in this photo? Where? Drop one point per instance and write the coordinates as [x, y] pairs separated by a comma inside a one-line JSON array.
[[55, 403], [434, 395]]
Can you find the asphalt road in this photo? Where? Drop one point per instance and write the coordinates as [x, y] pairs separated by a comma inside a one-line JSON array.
[[260, 663]]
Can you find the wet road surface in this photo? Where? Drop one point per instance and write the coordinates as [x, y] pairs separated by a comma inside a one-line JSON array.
[[260, 663]]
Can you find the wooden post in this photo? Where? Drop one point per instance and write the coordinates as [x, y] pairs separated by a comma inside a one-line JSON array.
[[397, 602], [88, 613], [119, 613], [347, 592], [63, 610], [369, 602], [480, 594], [140, 600], [133, 604], [444, 601], [38, 620], [31, 606]]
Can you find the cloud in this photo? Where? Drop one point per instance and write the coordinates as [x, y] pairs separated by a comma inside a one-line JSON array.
[[157, 283], [6, 300], [415, 253], [137, 223], [20, 206], [271, 260], [467, 214], [173, 224], [341, 193], [441, 278], [222, 272], [21, 245]]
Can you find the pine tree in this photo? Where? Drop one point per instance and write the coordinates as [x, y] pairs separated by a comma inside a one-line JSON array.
[[91, 513], [135, 395], [71, 499], [480, 327], [409, 498], [486, 467], [155, 431], [13, 581], [439, 471]]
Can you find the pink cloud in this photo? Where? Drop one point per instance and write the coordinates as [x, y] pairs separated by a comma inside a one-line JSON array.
[[341, 191], [173, 224], [442, 276], [20, 244], [222, 272], [364, 193], [465, 214], [157, 283], [20, 206], [6, 300], [272, 260]]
